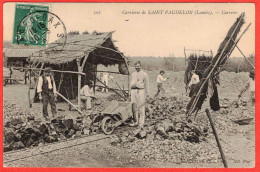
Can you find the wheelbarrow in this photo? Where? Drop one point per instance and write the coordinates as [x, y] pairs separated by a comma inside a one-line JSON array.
[[115, 114], [118, 113]]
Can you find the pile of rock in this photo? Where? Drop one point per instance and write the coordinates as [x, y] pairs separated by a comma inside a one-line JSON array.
[[22, 129]]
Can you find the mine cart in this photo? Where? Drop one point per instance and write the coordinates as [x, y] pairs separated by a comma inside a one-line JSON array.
[[115, 114]]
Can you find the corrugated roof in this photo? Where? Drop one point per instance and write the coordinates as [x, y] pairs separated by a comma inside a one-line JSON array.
[[76, 46], [22, 53]]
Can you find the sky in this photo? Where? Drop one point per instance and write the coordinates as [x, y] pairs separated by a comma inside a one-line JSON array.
[[157, 33]]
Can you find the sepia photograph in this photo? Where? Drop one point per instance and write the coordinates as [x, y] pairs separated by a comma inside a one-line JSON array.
[[129, 85]]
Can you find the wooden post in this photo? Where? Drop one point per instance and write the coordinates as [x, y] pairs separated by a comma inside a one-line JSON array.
[[29, 91], [79, 83], [71, 81], [217, 139], [61, 78]]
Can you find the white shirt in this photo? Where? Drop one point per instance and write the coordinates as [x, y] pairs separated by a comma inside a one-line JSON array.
[[106, 77], [251, 84], [40, 82], [140, 80], [86, 91], [160, 79], [194, 79]]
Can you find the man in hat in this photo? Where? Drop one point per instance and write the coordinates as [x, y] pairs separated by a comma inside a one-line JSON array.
[[139, 93], [47, 92], [251, 85], [160, 80]]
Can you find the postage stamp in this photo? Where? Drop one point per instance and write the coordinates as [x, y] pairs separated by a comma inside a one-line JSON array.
[[30, 24]]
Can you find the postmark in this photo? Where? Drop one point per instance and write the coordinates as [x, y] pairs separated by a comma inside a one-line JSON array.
[[39, 28]]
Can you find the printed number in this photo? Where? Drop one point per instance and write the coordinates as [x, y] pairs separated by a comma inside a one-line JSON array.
[[34, 30], [60, 35], [44, 17], [42, 25], [36, 37], [97, 12]]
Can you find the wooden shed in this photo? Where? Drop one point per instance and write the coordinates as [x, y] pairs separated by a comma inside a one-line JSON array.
[[74, 60]]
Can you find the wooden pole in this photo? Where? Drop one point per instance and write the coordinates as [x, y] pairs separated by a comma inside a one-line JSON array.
[[245, 57], [69, 102], [71, 81], [204, 81], [61, 78], [29, 91], [217, 139], [73, 72], [79, 83]]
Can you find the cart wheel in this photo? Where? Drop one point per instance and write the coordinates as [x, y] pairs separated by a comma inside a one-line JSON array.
[[107, 125]]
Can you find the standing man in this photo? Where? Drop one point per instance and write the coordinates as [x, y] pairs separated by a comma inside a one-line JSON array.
[[250, 84], [87, 94], [47, 92], [105, 79], [160, 80], [139, 93], [194, 80]]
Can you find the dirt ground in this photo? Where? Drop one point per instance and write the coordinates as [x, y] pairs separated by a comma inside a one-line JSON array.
[[103, 154]]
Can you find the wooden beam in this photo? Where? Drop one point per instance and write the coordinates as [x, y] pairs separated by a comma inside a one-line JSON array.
[[237, 40], [245, 57], [78, 109], [72, 72], [41, 69], [61, 79], [29, 91], [105, 71], [79, 83], [110, 88], [204, 81], [110, 58], [217, 139], [109, 49]]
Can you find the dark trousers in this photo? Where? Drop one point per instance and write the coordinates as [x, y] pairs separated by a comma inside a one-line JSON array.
[[48, 96], [159, 89]]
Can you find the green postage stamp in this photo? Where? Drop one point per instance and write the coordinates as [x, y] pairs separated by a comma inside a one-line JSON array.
[[30, 25]]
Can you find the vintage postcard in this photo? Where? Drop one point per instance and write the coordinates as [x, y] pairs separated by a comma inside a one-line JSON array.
[[136, 85]]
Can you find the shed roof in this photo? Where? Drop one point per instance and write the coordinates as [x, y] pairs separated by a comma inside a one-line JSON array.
[[77, 46], [18, 53]]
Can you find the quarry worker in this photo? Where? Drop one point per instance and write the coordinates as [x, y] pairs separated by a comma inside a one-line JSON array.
[[46, 89], [251, 85], [159, 81], [105, 78], [87, 94], [139, 93], [194, 80]]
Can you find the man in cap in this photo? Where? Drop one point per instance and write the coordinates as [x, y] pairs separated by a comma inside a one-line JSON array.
[[250, 84], [47, 92], [160, 80], [139, 93]]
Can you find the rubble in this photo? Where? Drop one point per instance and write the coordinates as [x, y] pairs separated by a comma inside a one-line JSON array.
[[22, 130]]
